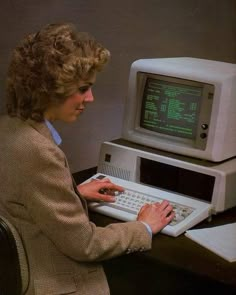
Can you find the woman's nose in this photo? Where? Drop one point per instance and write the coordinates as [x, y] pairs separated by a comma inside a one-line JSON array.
[[89, 96]]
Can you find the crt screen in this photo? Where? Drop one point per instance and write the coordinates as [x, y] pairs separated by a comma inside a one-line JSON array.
[[170, 108]]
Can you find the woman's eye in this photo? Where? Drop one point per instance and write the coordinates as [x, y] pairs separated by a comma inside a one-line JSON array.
[[84, 89]]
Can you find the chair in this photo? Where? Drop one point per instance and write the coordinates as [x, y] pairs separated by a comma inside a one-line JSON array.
[[14, 275]]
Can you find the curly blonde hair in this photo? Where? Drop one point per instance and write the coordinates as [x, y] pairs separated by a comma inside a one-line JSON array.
[[47, 66]]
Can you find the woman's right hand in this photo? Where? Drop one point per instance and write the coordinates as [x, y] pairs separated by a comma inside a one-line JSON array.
[[156, 215]]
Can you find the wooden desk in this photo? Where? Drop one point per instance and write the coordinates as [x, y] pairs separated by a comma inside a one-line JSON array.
[[173, 266]]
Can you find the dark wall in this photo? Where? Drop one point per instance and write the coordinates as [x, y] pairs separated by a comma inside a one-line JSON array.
[[131, 30]]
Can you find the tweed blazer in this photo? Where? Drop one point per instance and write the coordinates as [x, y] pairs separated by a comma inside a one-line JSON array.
[[64, 248]]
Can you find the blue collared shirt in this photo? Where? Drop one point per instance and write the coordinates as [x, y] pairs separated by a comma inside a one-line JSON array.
[[148, 228], [55, 135]]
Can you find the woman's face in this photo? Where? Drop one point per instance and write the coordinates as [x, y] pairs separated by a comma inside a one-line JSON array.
[[74, 105]]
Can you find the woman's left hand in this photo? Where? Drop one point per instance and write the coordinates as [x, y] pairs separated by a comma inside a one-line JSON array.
[[102, 190]]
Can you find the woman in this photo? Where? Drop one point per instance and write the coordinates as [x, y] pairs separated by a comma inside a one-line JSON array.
[[50, 78]]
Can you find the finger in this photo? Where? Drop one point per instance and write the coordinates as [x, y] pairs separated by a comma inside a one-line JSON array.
[[116, 187], [105, 180], [112, 186], [164, 204], [106, 198], [141, 210], [157, 204], [165, 207], [145, 206], [170, 216]]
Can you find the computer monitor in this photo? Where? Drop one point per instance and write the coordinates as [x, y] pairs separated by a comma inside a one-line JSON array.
[[183, 105]]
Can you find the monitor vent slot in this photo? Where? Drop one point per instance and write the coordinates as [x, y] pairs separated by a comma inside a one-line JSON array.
[[114, 171]]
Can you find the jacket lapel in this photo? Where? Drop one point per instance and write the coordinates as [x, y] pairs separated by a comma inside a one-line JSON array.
[[42, 128]]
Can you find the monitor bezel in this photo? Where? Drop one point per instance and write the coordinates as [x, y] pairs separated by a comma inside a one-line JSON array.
[[203, 124]]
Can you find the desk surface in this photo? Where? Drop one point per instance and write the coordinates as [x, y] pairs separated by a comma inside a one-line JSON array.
[[184, 255]]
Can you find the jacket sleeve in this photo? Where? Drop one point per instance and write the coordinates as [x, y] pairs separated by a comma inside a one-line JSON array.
[[56, 209]]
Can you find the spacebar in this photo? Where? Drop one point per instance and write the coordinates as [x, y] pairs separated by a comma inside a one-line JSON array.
[[121, 208]]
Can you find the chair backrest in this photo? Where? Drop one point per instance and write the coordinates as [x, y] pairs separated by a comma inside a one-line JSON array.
[[14, 273]]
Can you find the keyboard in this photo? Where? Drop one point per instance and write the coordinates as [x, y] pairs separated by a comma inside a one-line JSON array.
[[188, 211]]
